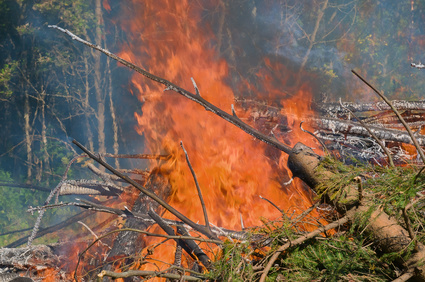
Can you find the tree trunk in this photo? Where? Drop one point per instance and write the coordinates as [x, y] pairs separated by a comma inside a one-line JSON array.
[[100, 98], [112, 110], [87, 105], [46, 162], [28, 137]]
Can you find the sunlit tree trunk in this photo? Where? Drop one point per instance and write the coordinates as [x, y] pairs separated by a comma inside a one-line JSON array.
[[46, 162], [112, 110], [97, 80], [28, 137]]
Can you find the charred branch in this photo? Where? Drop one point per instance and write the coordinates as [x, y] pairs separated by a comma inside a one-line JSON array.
[[196, 98], [238, 235], [188, 245], [203, 229]]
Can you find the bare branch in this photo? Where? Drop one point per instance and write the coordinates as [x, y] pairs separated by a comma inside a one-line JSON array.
[[196, 87], [412, 136], [137, 156], [204, 209], [314, 135], [387, 152], [204, 230], [147, 273], [196, 98]]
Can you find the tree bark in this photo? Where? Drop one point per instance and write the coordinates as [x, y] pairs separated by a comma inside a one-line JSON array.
[[100, 98], [28, 138]]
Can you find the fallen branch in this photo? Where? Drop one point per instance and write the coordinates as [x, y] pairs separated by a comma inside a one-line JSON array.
[[81, 255], [137, 156], [355, 128], [204, 230], [147, 273], [385, 149], [299, 241], [238, 235], [335, 108]]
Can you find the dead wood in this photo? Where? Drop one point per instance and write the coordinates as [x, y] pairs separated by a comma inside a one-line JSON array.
[[129, 244], [406, 126], [355, 128], [303, 162], [89, 187], [335, 108], [238, 235], [203, 229], [389, 235], [51, 229], [148, 274], [385, 149], [23, 258]]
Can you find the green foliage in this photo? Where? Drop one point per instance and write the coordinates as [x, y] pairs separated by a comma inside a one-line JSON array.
[[6, 74], [13, 205], [346, 257], [341, 258], [343, 175]]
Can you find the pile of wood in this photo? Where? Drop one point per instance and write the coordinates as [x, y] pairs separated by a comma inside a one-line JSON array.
[[337, 125]]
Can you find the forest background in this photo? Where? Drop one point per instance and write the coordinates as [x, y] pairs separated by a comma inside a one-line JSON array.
[[52, 90]]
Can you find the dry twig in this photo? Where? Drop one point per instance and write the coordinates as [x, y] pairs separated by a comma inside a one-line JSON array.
[[385, 149], [204, 230], [204, 209]]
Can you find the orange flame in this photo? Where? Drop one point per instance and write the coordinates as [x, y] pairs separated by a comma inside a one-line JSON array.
[[232, 168]]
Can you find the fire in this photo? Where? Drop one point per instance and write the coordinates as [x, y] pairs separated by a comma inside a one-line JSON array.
[[232, 168]]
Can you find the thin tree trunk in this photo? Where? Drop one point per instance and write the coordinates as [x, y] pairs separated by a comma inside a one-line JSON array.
[[28, 137], [87, 105], [312, 39], [112, 110], [97, 80], [46, 162]]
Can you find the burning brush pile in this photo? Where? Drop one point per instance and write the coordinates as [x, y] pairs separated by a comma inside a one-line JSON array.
[[230, 192]]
